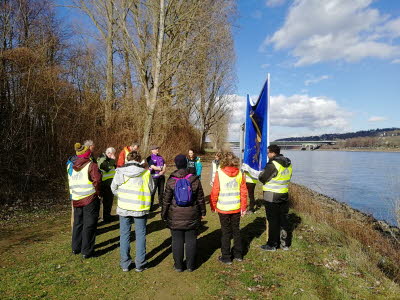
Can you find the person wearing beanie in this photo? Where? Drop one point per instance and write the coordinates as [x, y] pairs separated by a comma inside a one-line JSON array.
[[229, 199], [84, 185], [183, 221]]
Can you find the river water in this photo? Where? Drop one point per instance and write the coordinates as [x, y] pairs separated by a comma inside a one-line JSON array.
[[368, 181]]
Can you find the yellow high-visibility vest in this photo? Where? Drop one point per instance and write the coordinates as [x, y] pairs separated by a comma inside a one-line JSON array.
[[134, 194], [79, 184], [108, 175], [280, 183], [250, 179], [229, 193]]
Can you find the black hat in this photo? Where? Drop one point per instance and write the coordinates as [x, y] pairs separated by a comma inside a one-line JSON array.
[[181, 161]]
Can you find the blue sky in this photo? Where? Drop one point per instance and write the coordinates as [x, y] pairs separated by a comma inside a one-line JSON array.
[[334, 64]]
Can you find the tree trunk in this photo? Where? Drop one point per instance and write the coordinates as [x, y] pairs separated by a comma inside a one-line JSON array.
[[156, 79], [110, 65], [128, 77]]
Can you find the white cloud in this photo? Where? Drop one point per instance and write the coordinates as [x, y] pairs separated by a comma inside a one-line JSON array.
[[274, 3], [396, 61], [317, 31], [377, 119], [316, 80], [264, 66], [301, 112]]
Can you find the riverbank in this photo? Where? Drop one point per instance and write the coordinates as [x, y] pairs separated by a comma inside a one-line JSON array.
[[329, 258]]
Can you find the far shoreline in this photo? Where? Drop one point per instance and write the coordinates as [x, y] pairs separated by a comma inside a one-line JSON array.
[[389, 150]]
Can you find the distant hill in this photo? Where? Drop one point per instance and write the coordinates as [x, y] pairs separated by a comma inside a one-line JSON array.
[[342, 136]]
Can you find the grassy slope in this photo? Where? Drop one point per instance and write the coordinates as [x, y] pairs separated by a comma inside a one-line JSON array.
[[36, 262]]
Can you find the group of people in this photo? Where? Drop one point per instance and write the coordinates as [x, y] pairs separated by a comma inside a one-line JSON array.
[[135, 180]]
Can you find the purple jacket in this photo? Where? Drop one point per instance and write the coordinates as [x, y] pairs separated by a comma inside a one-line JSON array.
[[155, 160]]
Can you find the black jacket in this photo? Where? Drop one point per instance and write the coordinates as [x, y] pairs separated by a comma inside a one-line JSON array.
[[269, 172], [178, 217]]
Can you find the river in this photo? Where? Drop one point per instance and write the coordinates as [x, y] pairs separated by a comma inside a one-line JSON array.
[[367, 181]]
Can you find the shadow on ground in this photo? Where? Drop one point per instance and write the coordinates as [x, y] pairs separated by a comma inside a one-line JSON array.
[[113, 243]]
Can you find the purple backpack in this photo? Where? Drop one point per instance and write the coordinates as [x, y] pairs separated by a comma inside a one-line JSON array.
[[183, 191]]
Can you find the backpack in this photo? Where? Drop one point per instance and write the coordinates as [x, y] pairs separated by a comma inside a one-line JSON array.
[[183, 191]]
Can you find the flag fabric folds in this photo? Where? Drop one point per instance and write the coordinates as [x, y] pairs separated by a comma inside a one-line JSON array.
[[256, 133]]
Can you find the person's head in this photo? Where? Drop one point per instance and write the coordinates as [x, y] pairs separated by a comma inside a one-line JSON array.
[[191, 153], [110, 152], [135, 146], [229, 160], [218, 155], [273, 150], [81, 150], [134, 156], [180, 161], [154, 149], [89, 144]]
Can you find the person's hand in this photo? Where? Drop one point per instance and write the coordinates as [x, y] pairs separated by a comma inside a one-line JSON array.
[[211, 183], [161, 173], [113, 156], [202, 217], [243, 212]]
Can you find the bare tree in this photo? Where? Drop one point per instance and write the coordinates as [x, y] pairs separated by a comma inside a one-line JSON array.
[[101, 12]]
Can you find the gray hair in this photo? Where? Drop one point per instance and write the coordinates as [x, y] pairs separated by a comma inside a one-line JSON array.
[[110, 150], [88, 143]]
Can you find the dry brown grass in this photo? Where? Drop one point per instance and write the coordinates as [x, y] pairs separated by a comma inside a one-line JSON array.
[[353, 224]]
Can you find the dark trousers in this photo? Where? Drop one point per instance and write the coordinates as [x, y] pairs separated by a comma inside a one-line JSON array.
[[230, 227], [277, 216], [250, 189], [84, 229], [184, 241], [108, 198], [159, 183]]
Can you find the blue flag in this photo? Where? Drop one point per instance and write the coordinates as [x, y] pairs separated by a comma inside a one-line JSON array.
[[257, 133]]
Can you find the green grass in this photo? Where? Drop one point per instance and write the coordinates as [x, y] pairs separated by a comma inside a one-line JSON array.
[[36, 262]]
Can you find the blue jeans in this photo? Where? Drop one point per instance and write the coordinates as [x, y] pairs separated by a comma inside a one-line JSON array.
[[125, 242]]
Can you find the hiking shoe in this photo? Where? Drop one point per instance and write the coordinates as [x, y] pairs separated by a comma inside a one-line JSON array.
[[285, 248], [140, 269], [190, 270], [226, 262], [178, 270], [75, 252], [239, 259], [86, 256], [267, 247], [125, 270]]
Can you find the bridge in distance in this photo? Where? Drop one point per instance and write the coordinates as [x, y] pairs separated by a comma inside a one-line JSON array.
[[295, 145], [302, 145]]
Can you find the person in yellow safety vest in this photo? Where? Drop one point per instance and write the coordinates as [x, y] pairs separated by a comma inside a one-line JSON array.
[[123, 155], [133, 184], [85, 190], [275, 179], [229, 199], [215, 166], [107, 166]]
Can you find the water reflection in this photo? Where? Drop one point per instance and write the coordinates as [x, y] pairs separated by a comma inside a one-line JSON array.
[[368, 181]]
